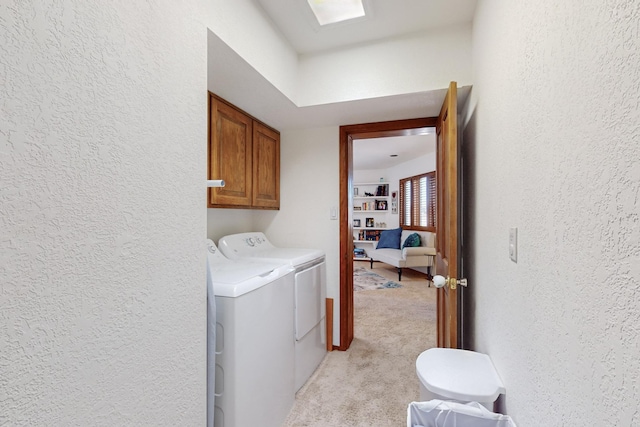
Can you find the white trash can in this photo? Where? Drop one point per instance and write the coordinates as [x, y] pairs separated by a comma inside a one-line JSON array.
[[442, 413], [460, 375]]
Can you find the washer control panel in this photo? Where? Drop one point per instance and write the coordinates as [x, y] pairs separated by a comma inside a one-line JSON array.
[[244, 244], [254, 240]]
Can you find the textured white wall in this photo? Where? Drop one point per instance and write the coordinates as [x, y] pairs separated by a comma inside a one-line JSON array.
[[552, 147], [416, 63], [102, 224]]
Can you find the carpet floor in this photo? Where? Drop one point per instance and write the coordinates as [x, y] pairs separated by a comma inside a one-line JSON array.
[[365, 279], [372, 383]]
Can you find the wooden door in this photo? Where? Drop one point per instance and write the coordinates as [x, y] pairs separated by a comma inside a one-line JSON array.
[[266, 167], [447, 236], [230, 155]]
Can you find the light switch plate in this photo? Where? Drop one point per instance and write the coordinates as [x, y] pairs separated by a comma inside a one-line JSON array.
[[513, 244], [333, 213]]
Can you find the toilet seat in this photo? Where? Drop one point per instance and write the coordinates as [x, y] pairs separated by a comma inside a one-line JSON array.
[[462, 375]]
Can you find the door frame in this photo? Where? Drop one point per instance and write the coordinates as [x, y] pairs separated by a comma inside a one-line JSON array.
[[347, 135]]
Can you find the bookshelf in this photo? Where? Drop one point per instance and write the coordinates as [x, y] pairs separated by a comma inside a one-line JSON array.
[[371, 205]]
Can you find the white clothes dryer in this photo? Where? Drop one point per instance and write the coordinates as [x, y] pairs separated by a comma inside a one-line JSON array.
[[310, 294], [253, 383]]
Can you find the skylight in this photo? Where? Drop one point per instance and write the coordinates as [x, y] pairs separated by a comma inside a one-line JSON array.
[[332, 11]]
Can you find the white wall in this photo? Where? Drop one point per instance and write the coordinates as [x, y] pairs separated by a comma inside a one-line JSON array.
[[418, 62], [415, 63], [221, 222], [417, 166], [552, 146], [244, 26], [102, 162], [309, 188], [369, 175]]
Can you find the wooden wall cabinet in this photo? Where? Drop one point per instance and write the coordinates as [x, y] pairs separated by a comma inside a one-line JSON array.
[[245, 153]]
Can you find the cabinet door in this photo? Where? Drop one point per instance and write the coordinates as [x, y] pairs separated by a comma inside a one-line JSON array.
[[230, 155], [266, 167]]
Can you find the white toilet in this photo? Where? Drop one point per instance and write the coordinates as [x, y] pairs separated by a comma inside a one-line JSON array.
[[460, 375]]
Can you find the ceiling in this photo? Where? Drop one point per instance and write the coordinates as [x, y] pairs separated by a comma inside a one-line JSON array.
[[376, 153], [385, 19], [232, 78]]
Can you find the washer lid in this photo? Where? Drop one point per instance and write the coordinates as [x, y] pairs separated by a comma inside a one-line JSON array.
[[238, 278], [235, 278], [459, 374], [256, 245]]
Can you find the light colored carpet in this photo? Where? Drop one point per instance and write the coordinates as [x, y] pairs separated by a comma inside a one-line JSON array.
[[365, 280], [372, 383]]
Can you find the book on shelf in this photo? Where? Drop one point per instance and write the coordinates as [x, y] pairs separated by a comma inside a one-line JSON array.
[[382, 190], [372, 235], [368, 236], [359, 253]]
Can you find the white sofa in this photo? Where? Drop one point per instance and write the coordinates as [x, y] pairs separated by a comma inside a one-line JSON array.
[[420, 256]]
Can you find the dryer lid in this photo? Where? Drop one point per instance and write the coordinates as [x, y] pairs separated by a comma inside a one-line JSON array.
[[293, 256]]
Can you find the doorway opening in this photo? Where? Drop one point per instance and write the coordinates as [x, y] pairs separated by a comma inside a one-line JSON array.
[[348, 134]]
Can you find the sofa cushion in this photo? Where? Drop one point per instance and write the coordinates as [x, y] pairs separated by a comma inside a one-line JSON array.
[[427, 238], [411, 241], [390, 239]]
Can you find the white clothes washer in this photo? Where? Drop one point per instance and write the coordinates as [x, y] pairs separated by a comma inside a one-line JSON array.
[[211, 342], [253, 354], [310, 294]]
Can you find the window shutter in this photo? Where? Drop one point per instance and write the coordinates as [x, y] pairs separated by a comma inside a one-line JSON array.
[[415, 202], [422, 202], [406, 216], [418, 202], [431, 191]]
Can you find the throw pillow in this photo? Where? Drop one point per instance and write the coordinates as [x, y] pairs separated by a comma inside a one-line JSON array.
[[412, 241], [390, 239]]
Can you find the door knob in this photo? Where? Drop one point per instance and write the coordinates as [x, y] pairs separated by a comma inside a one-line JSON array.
[[452, 282], [439, 281]]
